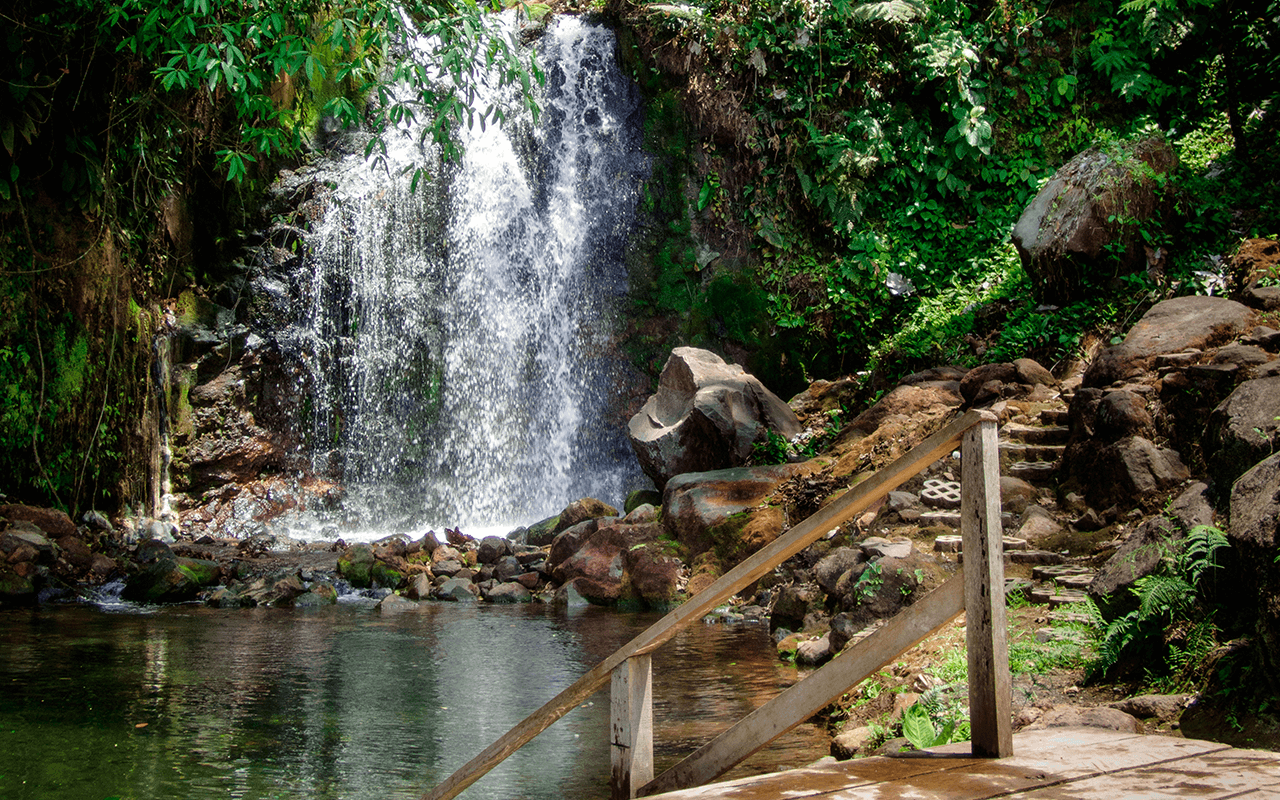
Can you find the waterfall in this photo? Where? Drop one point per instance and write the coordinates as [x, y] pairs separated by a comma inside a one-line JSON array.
[[459, 337]]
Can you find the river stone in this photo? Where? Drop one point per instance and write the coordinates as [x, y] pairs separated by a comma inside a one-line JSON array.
[[355, 565], [507, 568], [509, 592], [385, 576], [491, 549], [601, 560], [1173, 326], [705, 416], [568, 541], [1143, 549], [395, 604], [171, 580], [1243, 429], [1068, 235], [540, 534], [419, 586], [814, 652], [458, 589], [851, 743], [568, 596]]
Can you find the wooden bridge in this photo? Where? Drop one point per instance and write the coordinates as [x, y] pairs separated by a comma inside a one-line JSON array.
[[978, 590]]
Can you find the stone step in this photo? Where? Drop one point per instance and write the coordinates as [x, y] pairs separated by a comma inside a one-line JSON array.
[[1052, 571], [1055, 416], [1079, 582], [1035, 434], [1031, 471], [1014, 452], [1032, 557], [954, 544], [951, 519]]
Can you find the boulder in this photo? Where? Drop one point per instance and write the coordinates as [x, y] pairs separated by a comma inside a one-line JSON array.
[[171, 580], [509, 592], [1254, 535], [852, 742], [705, 416], [814, 652], [651, 575], [1160, 707], [827, 571], [569, 596], [583, 510], [540, 534], [458, 589], [601, 560], [1243, 429], [491, 549], [395, 604], [1173, 326], [1070, 233], [1120, 473], [695, 504], [53, 523], [568, 541], [1015, 494], [1038, 527], [1112, 719]]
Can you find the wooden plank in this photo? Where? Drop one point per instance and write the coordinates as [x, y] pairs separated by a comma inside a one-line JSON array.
[[990, 690], [631, 712], [804, 699], [849, 505]]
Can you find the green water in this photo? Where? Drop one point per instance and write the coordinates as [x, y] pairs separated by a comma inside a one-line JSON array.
[[344, 703]]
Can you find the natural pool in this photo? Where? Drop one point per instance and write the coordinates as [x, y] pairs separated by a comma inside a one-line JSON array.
[[346, 703]]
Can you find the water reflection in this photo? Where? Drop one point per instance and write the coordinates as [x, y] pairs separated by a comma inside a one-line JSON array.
[[344, 703]]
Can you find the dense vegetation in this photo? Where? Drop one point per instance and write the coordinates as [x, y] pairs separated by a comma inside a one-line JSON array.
[[859, 163]]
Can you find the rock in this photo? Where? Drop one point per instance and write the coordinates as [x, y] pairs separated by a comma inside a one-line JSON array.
[[641, 514], [1141, 551], [1031, 373], [1254, 535], [983, 384], [1162, 707], [568, 541], [509, 593], [540, 534], [1016, 494], [53, 523], [507, 568], [1111, 719], [568, 596], [814, 652], [641, 497], [1173, 326], [601, 560], [458, 589], [881, 588], [827, 571], [1243, 429], [875, 547], [1068, 234], [843, 628], [1120, 473], [18, 588], [1253, 261], [27, 544], [395, 604], [696, 503], [652, 576], [277, 592], [171, 580], [905, 400], [383, 575], [419, 586], [705, 416], [1038, 526], [491, 549], [850, 743], [583, 510], [355, 565], [793, 605], [95, 520], [76, 553], [1120, 414]]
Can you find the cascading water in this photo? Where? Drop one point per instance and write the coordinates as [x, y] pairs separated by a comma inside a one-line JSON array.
[[459, 336]]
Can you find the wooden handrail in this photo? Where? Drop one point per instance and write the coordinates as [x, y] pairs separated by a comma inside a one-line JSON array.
[[858, 499]]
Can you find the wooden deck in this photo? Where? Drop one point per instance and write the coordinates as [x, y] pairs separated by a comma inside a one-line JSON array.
[[1058, 763]]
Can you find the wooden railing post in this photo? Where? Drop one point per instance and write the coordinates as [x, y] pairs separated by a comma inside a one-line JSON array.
[[990, 694], [631, 735]]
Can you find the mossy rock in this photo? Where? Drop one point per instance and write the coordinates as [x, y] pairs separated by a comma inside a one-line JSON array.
[[385, 576], [540, 534], [355, 565], [641, 497]]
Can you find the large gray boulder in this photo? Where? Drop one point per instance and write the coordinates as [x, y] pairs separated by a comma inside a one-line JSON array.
[[705, 416], [1243, 429], [1121, 473], [1254, 535], [1085, 222], [1173, 326]]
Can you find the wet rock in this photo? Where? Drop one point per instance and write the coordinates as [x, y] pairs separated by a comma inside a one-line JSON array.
[[509, 592], [568, 596], [491, 549], [1173, 326], [814, 652], [1243, 429], [385, 576], [355, 565], [600, 562], [458, 589], [705, 416], [1068, 234], [395, 604], [171, 580], [540, 534], [419, 586], [641, 497], [793, 605], [568, 541]]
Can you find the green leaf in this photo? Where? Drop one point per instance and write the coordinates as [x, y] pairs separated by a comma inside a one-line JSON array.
[[918, 728], [704, 196]]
